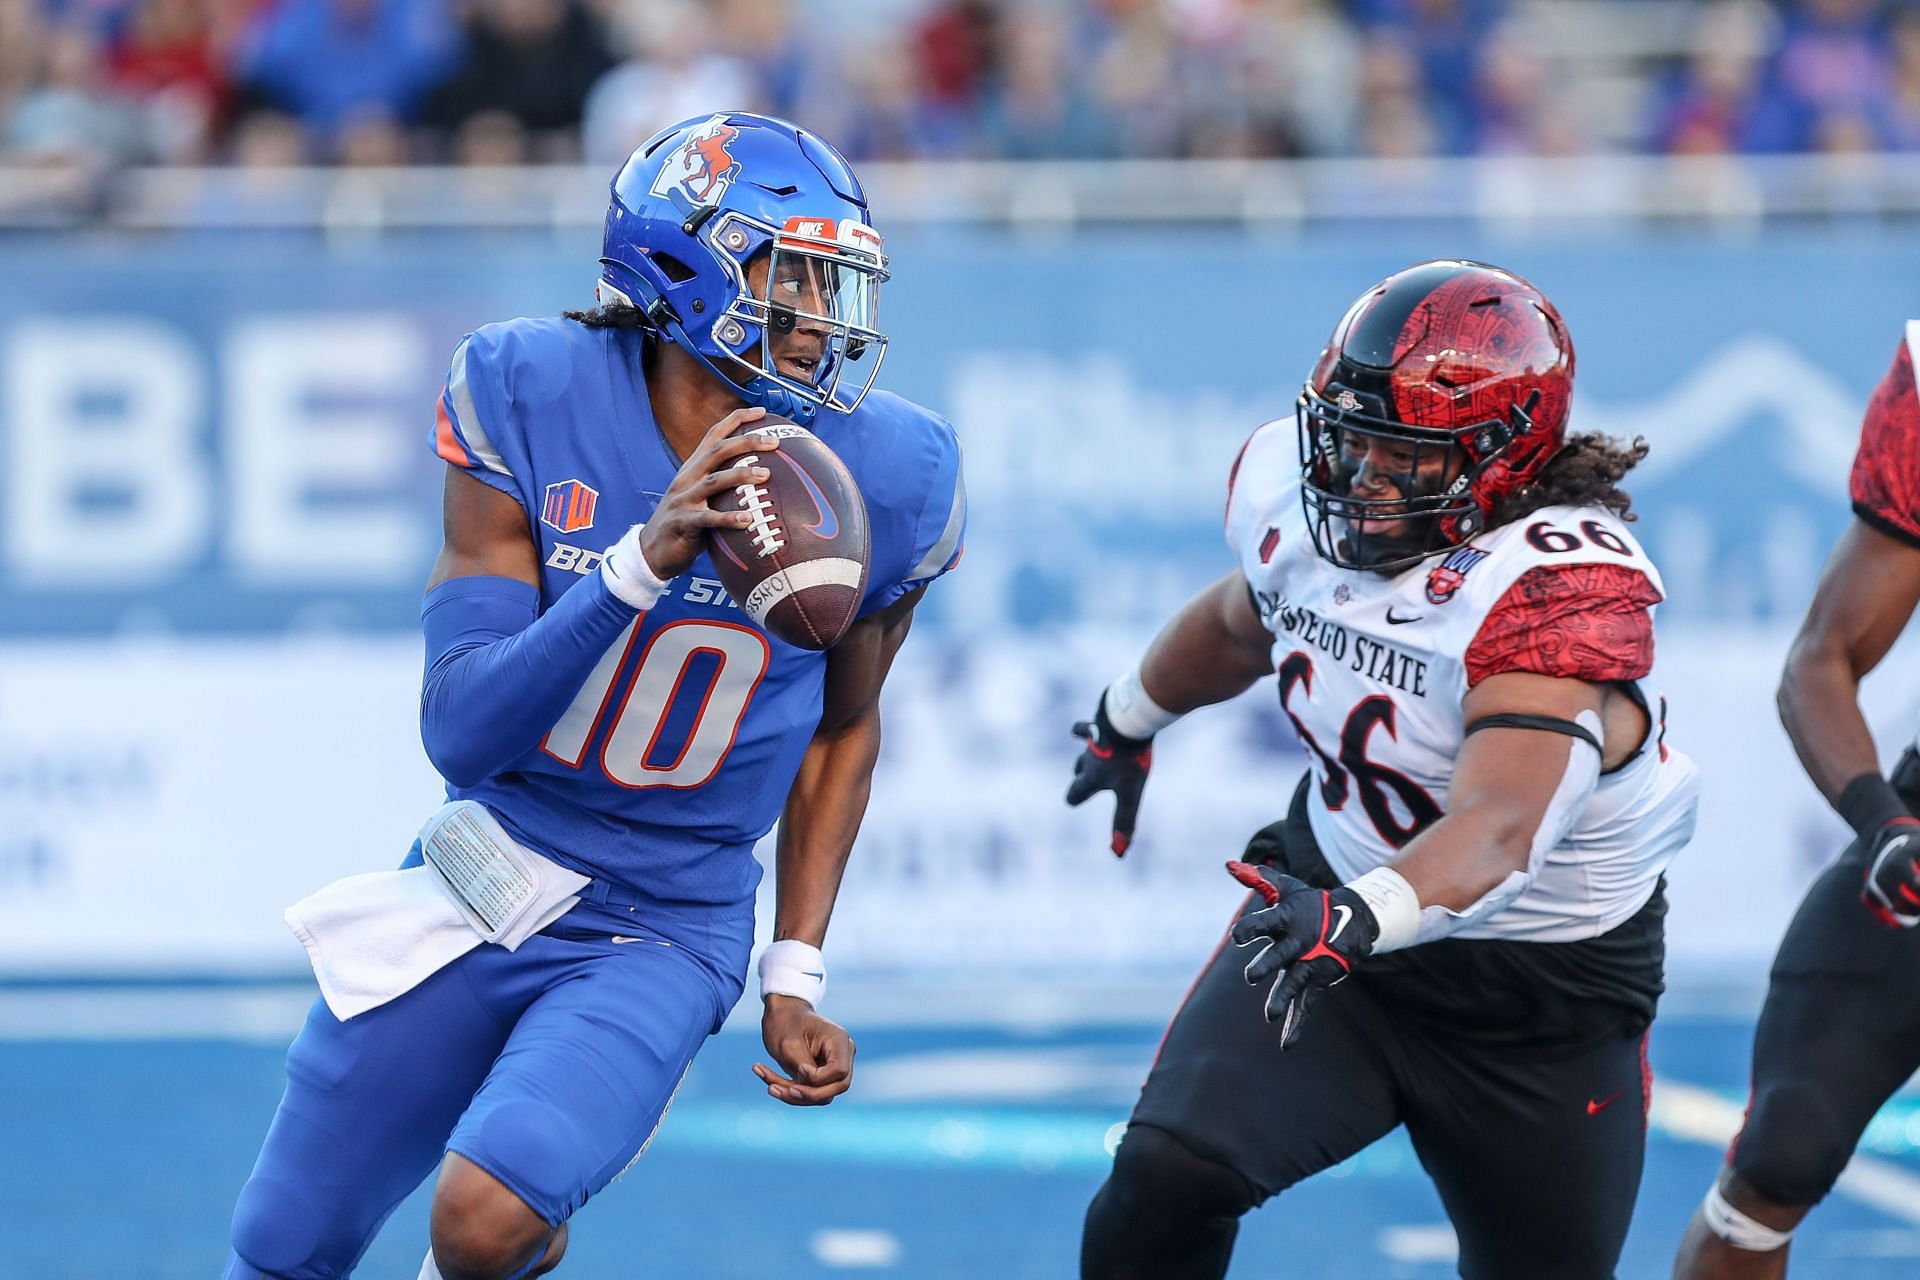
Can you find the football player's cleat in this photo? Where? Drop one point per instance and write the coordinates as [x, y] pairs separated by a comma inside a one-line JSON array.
[[1443, 390], [1313, 938], [697, 204]]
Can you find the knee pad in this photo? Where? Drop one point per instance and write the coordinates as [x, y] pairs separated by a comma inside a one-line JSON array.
[[279, 1231], [535, 1149], [1794, 1145], [1154, 1168]]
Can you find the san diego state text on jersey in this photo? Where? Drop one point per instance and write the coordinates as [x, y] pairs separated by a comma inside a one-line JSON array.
[[1374, 670]]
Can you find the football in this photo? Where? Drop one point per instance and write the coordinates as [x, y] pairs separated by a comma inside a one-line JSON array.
[[800, 569]]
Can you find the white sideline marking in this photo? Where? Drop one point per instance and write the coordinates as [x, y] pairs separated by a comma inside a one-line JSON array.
[[849, 1249], [1696, 1115], [1895, 1243], [1424, 1243]]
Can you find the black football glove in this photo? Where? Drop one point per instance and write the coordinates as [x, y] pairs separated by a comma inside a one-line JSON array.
[[1314, 936], [1892, 890], [1112, 762]]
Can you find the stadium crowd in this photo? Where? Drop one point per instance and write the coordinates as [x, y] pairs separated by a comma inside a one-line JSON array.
[[105, 83]]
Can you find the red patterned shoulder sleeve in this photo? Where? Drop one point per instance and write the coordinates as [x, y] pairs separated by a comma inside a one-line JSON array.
[[1886, 470], [1578, 622]]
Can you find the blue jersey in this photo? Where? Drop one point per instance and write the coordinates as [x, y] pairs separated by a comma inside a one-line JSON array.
[[677, 753]]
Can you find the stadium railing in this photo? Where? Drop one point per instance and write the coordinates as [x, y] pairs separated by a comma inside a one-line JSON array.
[[1724, 193]]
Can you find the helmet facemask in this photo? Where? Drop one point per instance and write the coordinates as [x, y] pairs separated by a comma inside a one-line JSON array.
[[1416, 483], [815, 311]]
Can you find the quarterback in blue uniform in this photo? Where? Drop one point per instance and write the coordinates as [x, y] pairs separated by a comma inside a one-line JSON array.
[[595, 699]]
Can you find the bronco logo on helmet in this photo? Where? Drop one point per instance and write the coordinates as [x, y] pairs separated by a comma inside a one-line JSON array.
[[703, 168]]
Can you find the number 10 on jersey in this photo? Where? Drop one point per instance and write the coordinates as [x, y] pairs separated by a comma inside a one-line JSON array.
[[669, 676]]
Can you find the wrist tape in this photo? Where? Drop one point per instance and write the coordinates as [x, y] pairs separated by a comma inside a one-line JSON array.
[[1131, 712], [1869, 803], [628, 575], [1736, 1228], [1395, 907], [793, 968]]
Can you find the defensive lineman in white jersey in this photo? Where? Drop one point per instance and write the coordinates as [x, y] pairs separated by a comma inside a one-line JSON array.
[[1459, 618]]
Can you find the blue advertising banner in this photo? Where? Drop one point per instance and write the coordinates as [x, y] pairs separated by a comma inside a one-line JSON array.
[[218, 503]]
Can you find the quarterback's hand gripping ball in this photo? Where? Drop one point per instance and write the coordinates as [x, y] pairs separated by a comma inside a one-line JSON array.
[[1111, 762], [1313, 938], [797, 562], [1892, 891]]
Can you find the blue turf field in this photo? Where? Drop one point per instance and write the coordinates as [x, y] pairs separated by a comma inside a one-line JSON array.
[[965, 1151]]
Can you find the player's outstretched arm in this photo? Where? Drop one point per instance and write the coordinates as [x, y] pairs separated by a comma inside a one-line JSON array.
[[1212, 650], [499, 672], [817, 829], [1865, 598]]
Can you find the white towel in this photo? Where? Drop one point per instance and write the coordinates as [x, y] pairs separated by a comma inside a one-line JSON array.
[[377, 936], [373, 937]]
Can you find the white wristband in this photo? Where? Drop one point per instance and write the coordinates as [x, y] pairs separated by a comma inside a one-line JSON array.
[[1131, 712], [628, 575], [1395, 907], [793, 968]]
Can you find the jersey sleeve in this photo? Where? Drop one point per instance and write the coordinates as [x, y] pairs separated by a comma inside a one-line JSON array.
[[1590, 622], [471, 426], [1885, 487], [1261, 493], [938, 536]]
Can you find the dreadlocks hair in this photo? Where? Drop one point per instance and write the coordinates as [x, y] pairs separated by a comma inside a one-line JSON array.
[[611, 315], [1586, 473]]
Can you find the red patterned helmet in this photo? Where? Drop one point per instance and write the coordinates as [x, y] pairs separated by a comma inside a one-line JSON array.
[[1443, 389]]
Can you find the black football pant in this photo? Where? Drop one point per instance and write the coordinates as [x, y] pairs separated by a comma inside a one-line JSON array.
[[1840, 1032], [1536, 1153]]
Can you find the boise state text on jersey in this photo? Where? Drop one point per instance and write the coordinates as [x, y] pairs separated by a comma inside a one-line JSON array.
[[678, 752]]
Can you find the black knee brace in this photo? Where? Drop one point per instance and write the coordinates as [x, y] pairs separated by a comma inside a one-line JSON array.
[[1165, 1213]]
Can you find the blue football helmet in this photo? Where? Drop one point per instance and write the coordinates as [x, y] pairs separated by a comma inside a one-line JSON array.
[[693, 210]]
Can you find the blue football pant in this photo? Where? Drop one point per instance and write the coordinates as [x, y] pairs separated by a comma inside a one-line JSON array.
[[549, 1067]]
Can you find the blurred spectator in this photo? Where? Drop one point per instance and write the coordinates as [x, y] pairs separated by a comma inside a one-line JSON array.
[[328, 63], [371, 139], [1444, 38], [763, 35], [1395, 121], [675, 73], [1038, 109], [1299, 64], [531, 60], [875, 109], [1510, 109], [1715, 106], [99, 83], [1900, 112], [489, 138], [1135, 84], [1829, 65], [68, 116], [957, 49], [171, 55]]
